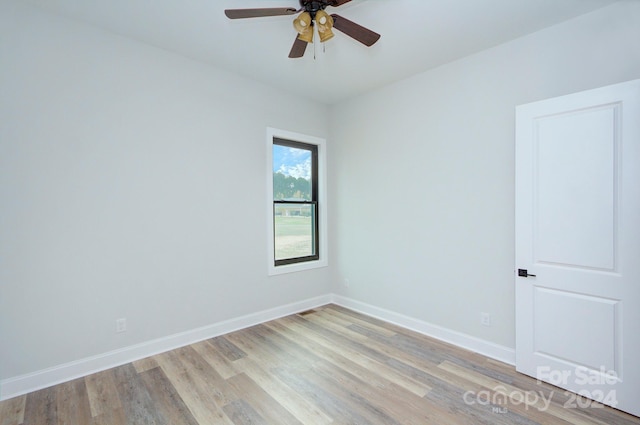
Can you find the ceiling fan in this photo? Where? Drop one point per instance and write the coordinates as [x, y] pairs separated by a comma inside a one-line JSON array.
[[312, 15]]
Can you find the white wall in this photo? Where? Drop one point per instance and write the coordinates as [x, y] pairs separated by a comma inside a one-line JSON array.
[[131, 185], [422, 171]]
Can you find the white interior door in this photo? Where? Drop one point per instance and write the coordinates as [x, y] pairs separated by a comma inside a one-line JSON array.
[[578, 238]]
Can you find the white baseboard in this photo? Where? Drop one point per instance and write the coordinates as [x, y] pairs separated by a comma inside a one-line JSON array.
[[23, 384], [486, 348]]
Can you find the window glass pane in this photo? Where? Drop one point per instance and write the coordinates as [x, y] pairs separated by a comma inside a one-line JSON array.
[[291, 173], [294, 226]]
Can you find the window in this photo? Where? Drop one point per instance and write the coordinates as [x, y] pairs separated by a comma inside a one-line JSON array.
[[295, 202], [296, 197]]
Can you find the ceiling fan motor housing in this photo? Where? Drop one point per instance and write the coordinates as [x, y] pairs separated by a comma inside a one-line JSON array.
[[313, 6]]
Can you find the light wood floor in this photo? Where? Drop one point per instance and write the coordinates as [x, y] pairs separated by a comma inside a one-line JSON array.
[[327, 366]]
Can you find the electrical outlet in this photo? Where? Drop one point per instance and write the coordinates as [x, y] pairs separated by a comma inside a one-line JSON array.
[[485, 319], [121, 325], [346, 283]]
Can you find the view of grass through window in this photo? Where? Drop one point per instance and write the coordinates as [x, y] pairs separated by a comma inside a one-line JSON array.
[[294, 206], [293, 233]]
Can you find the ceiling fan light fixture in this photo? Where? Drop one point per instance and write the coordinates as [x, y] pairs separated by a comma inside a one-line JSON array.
[[324, 22], [312, 18], [303, 25], [306, 36]]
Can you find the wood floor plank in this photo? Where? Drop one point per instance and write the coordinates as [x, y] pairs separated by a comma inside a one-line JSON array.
[[12, 410], [261, 401], [340, 337], [428, 343], [145, 364], [421, 368], [241, 413], [303, 382], [73, 403], [227, 348], [369, 319], [451, 398], [351, 320], [265, 352], [330, 365], [104, 400], [102, 393], [41, 407], [205, 376], [418, 370], [561, 397], [354, 395], [166, 399], [135, 399], [401, 345], [335, 326], [517, 398], [359, 365], [371, 385], [304, 410], [194, 391], [271, 357], [115, 416], [384, 405], [216, 359]]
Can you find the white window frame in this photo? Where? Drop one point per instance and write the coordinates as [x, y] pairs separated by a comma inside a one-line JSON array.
[[322, 261]]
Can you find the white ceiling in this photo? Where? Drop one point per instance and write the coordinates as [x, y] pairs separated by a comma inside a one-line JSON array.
[[416, 35]]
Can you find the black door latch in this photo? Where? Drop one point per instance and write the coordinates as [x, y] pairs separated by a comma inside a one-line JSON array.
[[525, 273]]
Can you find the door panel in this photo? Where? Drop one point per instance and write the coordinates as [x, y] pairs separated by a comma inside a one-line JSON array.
[[575, 177], [578, 235], [599, 319]]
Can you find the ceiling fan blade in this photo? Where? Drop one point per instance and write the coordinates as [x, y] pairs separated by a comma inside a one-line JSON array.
[[336, 3], [355, 31], [298, 48], [258, 13]]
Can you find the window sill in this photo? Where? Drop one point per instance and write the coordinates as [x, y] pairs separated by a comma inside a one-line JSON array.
[[297, 267]]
